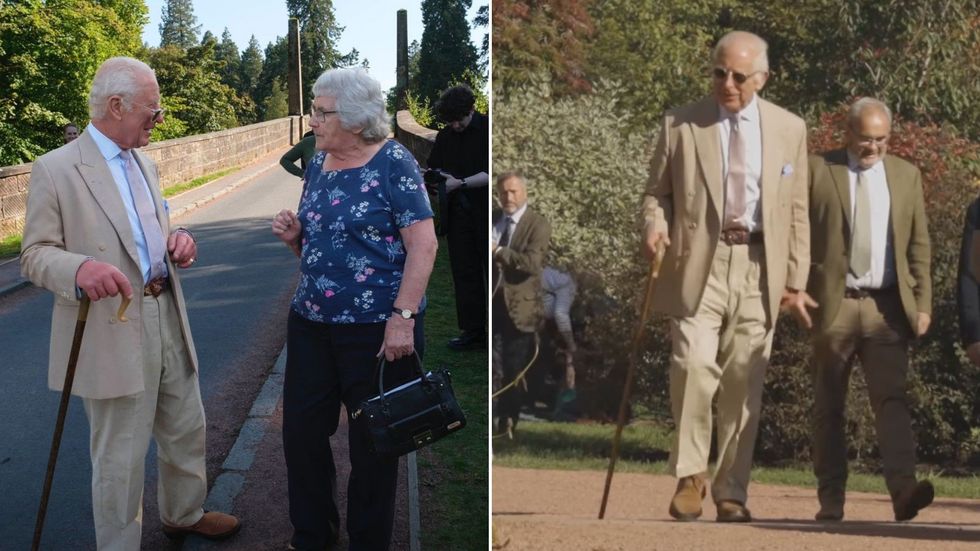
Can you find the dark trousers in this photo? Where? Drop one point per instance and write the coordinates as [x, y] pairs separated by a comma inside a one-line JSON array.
[[468, 239], [514, 348], [327, 364]]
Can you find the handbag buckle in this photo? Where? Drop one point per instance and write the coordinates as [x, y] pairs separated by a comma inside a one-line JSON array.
[[422, 438]]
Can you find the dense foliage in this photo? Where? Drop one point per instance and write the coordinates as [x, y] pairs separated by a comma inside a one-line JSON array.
[[580, 85], [446, 51]]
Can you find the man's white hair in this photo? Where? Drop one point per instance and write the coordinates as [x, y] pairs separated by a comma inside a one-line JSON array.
[[761, 61], [862, 104], [117, 76]]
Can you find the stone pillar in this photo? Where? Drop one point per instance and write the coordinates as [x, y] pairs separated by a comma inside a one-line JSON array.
[[401, 73], [295, 77]]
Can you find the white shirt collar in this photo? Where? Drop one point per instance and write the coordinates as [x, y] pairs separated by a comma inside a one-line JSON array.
[[749, 113], [876, 168], [107, 147], [516, 217]]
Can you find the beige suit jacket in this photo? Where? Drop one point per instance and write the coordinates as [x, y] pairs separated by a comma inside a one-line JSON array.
[[830, 222], [520, 265], [74, 211], [685, 197]]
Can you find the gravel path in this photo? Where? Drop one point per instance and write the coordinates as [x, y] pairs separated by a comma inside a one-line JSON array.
[[557, 510]]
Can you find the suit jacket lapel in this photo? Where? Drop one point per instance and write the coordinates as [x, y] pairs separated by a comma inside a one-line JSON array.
[[837, 165], [95, 173], [893, 178], [155, 194], [772, 144], [704, 127]]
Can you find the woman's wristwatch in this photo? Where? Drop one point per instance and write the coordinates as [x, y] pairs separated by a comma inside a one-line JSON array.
[[404, 313]]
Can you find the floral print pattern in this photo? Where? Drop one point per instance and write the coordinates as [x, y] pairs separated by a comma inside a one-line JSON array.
[[352, 251]]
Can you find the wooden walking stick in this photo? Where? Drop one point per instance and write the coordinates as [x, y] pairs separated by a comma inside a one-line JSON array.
[[631, 371], [76, 345]]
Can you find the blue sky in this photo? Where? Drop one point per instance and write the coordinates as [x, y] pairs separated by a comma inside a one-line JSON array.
[[370, 26]]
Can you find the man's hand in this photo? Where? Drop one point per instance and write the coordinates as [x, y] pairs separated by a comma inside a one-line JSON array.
[[922, 321], [452, 184], [796, 303], [100, 279], [652, 240], [182, 248], [973, 352]]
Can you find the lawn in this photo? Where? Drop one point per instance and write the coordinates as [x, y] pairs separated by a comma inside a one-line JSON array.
[[645, 447], [454, 472]]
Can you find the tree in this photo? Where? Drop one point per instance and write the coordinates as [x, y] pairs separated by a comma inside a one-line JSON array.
[[276, 104], [226, 52], [446, 51], [482, 19], [276, 66], [250, 69], [178, 24], [319, 33], [49, 52]]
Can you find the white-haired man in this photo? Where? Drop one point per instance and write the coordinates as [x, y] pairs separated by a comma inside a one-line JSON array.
[[727, 196], [97, 227]]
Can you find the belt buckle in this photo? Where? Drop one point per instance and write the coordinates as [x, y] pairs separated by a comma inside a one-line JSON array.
[[735, 236], [155, 287]]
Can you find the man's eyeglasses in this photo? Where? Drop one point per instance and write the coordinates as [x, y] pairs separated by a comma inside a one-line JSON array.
[[319, 115], [158, 112], [739, 78], [865, 141]]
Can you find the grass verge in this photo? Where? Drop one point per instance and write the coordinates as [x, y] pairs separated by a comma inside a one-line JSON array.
[[196, 182], [644, 449], [10, 246], [454, 472]]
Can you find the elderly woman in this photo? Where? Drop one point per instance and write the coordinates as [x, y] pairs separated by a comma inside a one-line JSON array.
[[365, 237]]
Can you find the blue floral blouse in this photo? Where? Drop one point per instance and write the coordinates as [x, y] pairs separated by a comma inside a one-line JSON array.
[[353, 256]]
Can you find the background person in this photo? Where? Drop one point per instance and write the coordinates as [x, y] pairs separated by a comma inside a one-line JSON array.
[[366, 241], [303, 151], [70, 132]]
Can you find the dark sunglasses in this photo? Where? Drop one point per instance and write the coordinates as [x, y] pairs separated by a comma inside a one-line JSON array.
[[739, 78]]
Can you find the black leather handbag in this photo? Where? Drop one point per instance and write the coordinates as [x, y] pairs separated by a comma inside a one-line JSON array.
[[410, 416]]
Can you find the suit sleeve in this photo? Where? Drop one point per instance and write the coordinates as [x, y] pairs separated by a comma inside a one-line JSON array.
[[967, 288], [798, 270], [656, 206], [530, 260], [44, 260], [919, 251]]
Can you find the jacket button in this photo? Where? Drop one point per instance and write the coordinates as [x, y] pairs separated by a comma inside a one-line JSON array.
[[692, 225], [102, 247]]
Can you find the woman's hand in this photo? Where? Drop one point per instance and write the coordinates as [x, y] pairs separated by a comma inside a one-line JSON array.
[[399, 338], [287, 228]]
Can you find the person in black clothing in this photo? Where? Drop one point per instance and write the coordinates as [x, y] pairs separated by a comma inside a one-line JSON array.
[[303, 151], [968, 289], [461, 154]]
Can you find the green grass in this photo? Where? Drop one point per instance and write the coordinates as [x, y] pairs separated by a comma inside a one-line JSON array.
[[644, 449], [10, 246], [196, 182], [455, 507]]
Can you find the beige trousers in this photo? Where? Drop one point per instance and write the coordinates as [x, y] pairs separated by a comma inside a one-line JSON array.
[[170, 409], [876, 330], [723, 349]]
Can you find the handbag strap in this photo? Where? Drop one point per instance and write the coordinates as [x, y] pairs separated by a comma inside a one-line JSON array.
[[381, 372]]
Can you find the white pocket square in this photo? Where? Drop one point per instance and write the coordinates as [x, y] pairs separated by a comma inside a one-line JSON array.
[[787, 169]]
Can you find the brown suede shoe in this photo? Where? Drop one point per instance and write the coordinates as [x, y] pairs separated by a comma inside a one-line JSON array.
[[732, 511], [213, 526], [830, 513], [831, 499], [686, 504], [912, 499]]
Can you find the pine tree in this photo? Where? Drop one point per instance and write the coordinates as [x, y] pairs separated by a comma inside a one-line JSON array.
[[178, 24], [250, 70], [319, 33], [226, 52], [276, 105], [446, 51]]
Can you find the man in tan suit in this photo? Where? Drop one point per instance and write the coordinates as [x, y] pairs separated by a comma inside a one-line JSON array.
[[97, 226], [727, 197], [521, 238], [870, 275]]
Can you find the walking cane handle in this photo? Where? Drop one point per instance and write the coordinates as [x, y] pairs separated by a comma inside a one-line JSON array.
[[121, 314]]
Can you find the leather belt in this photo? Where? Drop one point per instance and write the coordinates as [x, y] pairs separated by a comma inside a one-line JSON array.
[[867, 293], [155, 287], [738, 236]]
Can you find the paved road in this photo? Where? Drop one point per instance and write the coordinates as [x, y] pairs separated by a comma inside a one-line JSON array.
[[237, 295]]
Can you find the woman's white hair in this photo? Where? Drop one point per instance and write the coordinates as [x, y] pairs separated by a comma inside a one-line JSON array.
[[117, 76], [360, 103]]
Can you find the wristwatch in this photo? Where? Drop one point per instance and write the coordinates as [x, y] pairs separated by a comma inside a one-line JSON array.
[[404, 313], [462, 183]]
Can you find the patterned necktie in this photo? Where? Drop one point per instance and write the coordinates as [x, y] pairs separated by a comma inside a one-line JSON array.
[[860, 261], [156, 245], [735, 182], [505, 237]]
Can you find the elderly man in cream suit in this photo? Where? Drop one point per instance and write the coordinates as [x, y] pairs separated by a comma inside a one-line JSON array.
[[97, 227], [727, 196]]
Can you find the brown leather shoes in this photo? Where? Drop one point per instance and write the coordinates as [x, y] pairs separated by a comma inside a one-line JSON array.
[[912, 499], [213, 526], [686, 504], [732, 511], [830, 513], [831, 497]]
